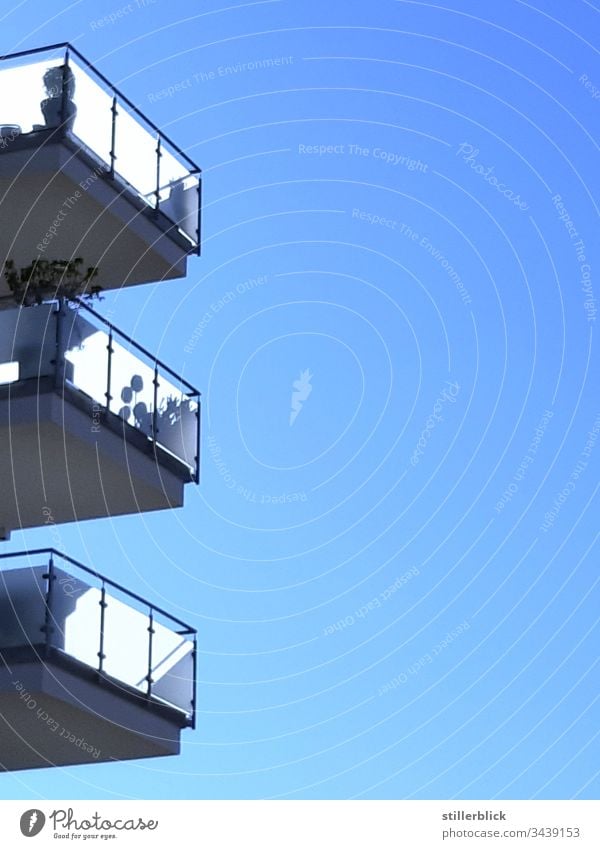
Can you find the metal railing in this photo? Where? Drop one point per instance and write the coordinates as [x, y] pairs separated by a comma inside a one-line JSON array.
[[122, 385], [77, 99], [101, 624], [127, 381]]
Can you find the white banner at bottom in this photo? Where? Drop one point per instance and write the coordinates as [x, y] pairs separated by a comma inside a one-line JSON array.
[[304, 824]]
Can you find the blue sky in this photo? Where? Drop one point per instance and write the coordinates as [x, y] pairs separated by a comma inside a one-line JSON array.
[[393, 595]]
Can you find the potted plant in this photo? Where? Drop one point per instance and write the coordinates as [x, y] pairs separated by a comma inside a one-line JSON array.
[[46, 280], [59, 82]]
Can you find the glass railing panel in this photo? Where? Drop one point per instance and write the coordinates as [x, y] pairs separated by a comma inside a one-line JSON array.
[[136, 152], [132, 388], [173, 667], [24, 95], [79, 619], [171, 169], [179, 196], [85, 349], [180, 201], [76, 624], [93, 117], [126, 639], [22, 607], [76, 612], [177, 421], [134, 399], [140, 394]]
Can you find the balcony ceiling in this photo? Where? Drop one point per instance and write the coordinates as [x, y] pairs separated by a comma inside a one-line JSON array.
[[57, 465], [106, 223], [69, 718]]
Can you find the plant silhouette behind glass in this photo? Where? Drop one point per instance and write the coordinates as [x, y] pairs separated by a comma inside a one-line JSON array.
[[172, 416], [58, 108]]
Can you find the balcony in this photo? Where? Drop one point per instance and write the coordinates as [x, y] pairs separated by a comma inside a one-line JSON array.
[[84, 174], [89, 672], [91, 424]]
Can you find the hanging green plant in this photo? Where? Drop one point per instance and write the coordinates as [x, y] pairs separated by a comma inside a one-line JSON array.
[[47, 280]]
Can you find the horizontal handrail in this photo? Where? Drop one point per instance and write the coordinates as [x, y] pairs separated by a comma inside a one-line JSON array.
[[67, 46], [176, 192], [49, 552], [192, 389]]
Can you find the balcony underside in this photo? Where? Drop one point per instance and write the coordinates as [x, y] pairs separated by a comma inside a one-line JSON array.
[[102, 219], [62, 461], [55, 712]]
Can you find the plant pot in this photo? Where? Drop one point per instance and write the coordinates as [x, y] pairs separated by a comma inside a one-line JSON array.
[[52, 112], [10, 131]]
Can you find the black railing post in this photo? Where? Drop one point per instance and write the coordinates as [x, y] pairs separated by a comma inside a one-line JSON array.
[[199, 222], [109, 348], [59, 356], [48, 628], [151, 634], [155, 405], [158, 156], [194, 695], [113, 138], [65, 91], [197, 458], [103, 605]]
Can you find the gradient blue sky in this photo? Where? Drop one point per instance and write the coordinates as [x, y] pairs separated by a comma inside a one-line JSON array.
[[464, 661]]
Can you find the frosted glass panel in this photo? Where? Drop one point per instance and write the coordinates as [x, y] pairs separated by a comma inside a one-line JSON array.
[[180, 202], [22, 93], [126, 643], [126, 649], [177, 423], [132, 389], [136, 154], [86, 357], [75, 627], [76, 618], [171, 169], [93, 122], [174, 677], [134, 396], [22, 607]]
